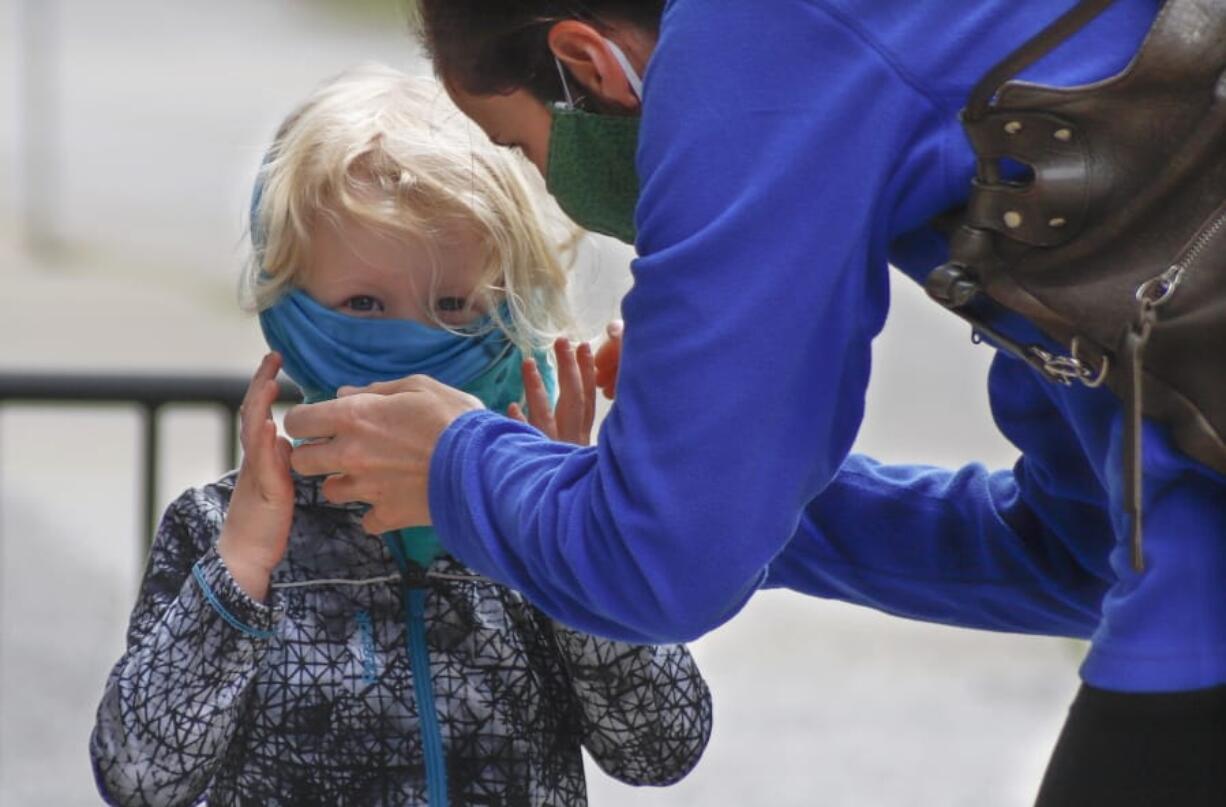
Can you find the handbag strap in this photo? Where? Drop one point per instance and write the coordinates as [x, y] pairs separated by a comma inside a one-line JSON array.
[[1034, 49]]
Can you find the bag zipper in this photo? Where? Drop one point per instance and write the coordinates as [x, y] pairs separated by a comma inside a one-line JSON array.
[[1151, 296]]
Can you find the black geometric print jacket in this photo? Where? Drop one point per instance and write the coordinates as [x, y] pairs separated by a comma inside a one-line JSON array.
[[315, 698]]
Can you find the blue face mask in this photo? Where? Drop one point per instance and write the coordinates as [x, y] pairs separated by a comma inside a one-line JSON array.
[[324, 350]]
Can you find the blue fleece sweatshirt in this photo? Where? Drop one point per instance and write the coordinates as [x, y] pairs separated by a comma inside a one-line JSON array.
[[790, 151]]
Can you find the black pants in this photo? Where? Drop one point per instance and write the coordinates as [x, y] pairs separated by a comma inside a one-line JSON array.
[[1129, 750]]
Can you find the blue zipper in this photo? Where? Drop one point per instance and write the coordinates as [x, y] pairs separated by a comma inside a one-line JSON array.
[[423, 686]]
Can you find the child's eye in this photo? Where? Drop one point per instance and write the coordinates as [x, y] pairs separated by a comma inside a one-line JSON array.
[[455, 312], [364, 304]]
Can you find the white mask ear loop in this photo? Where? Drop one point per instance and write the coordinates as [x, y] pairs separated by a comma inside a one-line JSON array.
[[570, 99], [632, 76]]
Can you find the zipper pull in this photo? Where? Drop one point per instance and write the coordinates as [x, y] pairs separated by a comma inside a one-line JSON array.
[[1157, 291], [1134, 351], [1151, 295]]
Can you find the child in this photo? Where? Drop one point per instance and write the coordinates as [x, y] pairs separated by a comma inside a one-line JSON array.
[[278, 654]]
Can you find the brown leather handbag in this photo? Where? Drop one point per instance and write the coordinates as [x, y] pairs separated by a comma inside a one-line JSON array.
[[1116, 246]]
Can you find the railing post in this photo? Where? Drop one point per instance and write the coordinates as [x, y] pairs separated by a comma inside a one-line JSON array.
[[2, 587], [150, 393], [149, 414]]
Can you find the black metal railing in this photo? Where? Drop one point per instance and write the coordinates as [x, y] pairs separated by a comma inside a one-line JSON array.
[[150, 394]]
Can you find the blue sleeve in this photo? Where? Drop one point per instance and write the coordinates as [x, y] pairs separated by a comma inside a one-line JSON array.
[[765, 162], [956, 547]]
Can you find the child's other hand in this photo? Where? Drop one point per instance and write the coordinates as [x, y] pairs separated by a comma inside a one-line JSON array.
[[256, 530], [608, 358], [572, 421]]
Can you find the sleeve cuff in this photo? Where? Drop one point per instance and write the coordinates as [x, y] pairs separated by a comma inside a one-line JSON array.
[[445, 484], [231, 603]]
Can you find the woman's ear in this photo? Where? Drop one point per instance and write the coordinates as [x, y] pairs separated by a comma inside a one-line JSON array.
[[585, 56]]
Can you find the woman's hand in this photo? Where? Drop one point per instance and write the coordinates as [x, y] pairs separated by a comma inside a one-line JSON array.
[[571, 421], [256, 531], [608, 358], [376, 443]]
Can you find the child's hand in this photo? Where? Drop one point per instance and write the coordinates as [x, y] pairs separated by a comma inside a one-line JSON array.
[[608, 358], [572, 421], [256, 530]]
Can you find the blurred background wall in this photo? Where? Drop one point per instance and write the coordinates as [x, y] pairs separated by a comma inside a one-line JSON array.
[[129, 134]]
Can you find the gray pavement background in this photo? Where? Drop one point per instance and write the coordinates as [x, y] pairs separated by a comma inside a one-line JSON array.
[[165, 110]]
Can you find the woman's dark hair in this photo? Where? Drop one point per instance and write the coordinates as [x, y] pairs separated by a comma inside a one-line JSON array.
[[487, 47]]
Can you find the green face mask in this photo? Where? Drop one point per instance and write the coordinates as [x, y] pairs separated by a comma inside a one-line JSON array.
[[591, 170]]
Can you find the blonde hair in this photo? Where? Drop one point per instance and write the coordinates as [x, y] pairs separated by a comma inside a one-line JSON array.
[[391, 152]]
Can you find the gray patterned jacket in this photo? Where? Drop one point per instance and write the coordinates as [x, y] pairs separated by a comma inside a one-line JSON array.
[[314, 698]]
